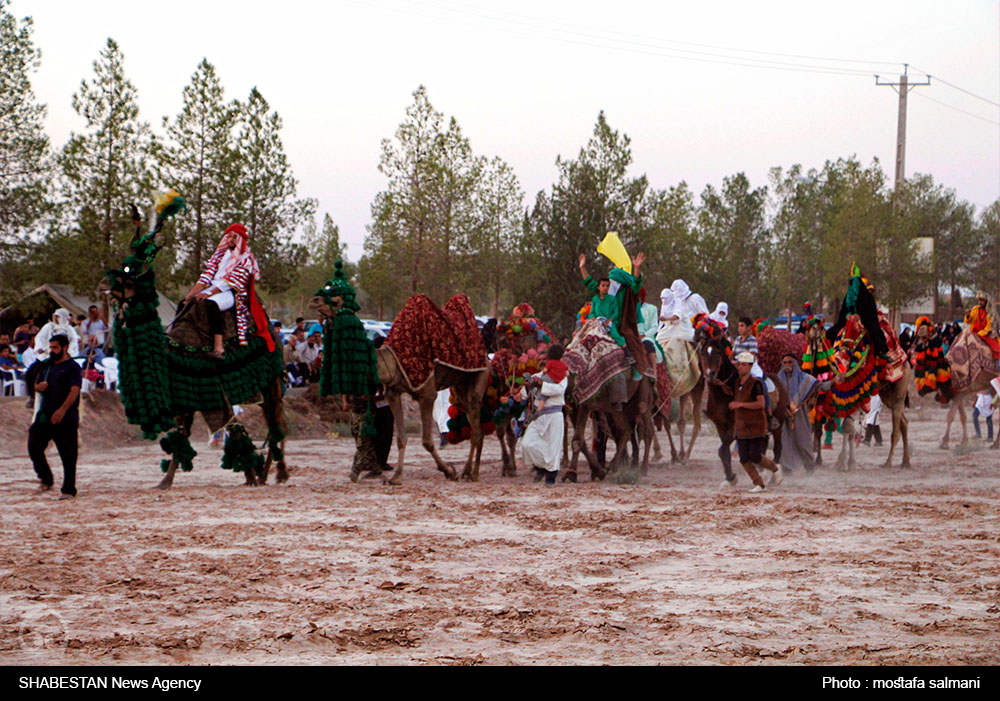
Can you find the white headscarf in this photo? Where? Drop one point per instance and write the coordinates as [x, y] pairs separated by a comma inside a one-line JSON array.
[[680, 289], [666, 303], [721, 313]]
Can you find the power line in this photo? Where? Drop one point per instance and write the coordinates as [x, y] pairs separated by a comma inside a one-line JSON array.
[[443, 4], [733, 60], [957, 109], [952, 85]]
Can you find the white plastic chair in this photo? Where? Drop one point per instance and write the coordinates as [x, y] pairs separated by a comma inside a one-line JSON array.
[[109, 366], [13, 381]]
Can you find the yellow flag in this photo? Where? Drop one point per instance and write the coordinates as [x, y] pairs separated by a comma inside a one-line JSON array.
[[613, 249]]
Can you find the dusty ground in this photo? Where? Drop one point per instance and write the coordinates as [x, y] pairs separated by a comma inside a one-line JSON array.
[[872, 567]]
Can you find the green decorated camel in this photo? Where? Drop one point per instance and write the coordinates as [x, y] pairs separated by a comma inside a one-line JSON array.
[[165, 377]]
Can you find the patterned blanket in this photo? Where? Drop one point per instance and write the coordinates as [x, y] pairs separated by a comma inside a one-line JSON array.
[[424, 334], [971, 360], [662, 390], [774, 343], [682, 365], [594, 358]]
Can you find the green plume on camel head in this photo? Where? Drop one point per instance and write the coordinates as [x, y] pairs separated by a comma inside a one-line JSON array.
[[339, 286]]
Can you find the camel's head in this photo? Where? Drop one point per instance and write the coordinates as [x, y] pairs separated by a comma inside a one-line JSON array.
[[326, 306], [335, 296], [712, 347]]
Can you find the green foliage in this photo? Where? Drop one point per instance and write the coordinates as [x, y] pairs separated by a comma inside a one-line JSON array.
[[25, 161], [103, 168], [262, 194], [592, 196], [197, 158]]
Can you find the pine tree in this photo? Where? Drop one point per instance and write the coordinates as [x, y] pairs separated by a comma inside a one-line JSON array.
[[261, 193], [104, 169], [490, 246], [24, 151], [404, 245], [198, 152]]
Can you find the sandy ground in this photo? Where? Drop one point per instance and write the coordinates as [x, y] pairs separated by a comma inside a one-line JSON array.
[[870, 567]]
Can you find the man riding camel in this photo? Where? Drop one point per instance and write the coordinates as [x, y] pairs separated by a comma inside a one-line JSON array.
[[978, 318], [227, 281]]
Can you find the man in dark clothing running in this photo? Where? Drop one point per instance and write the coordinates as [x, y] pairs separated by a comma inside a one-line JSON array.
[[57, 379], [751, 423]]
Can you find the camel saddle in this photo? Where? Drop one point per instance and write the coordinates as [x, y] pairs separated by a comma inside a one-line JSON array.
[[190, 326]]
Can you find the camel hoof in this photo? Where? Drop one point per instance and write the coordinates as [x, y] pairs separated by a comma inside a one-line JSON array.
[[569, 477], [163, 485], [943, 445], [886, 465], [394, 482], [281, 477]]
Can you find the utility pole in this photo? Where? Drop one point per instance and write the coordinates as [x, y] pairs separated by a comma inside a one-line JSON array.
[[903, 88]]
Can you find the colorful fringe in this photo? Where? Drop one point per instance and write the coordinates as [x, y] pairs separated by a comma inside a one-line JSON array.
[[860, 383], [931, 369]]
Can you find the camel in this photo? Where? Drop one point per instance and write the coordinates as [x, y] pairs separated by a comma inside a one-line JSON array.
[[693, 398], [169, 370], [469, 387], [971, 355], [718, 371], [615, 423]]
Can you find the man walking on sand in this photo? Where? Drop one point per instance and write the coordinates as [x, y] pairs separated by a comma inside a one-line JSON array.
[[751, 423], [58, 380]]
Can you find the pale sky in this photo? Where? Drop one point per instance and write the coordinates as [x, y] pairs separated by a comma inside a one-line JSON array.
[[526, 80]]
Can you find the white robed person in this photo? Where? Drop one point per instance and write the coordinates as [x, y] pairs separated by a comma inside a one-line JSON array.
[[678, 304], [58, 326], [542, 444]]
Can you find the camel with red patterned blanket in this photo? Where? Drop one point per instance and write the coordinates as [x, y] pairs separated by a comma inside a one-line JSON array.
[[428, 349]]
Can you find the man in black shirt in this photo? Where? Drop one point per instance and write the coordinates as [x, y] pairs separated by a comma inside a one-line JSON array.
[[58, 380]]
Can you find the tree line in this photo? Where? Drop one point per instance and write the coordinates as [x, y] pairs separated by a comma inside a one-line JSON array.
[[449, 219]]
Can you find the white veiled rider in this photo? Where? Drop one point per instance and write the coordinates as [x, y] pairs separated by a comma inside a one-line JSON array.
[[686, 304], [677, 333]]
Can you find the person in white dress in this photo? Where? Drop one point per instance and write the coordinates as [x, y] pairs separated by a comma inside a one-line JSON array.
[[542, 444]]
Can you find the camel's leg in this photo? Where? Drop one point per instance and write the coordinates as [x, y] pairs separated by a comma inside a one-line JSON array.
[[951, 417], [429, 435], [657, 425], [168, 479], [622, 432], [674, 458], [580, 445], [851, 462], [183, 422], [965, 425], [647, 432], [818, 441], [904, 433], [681, 424], [505, 457], [697, 395], [893, 438], [274, 415], [842, 457], [396, 405]]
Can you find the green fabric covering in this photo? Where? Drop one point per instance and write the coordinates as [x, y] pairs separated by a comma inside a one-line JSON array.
[[139, 344], [198, 383], [349, 365], [274, 437], [239, 454], [177, 444]]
